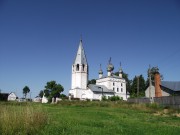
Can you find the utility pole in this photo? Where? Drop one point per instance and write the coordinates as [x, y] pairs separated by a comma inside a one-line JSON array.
[[30, 96], [101, 91], [150, 82]]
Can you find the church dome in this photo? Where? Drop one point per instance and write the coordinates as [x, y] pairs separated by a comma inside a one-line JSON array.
[[110, 67], [100, 71], [120, 70]]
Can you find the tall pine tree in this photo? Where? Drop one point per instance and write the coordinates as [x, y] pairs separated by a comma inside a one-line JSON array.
[[134, 87]]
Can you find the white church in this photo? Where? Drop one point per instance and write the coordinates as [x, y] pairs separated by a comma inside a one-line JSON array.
[[107, 86]]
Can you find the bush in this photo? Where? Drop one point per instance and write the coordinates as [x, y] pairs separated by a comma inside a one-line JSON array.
[[104, 104], [77, 99], [104, 98], [154, 105], [115, 98]]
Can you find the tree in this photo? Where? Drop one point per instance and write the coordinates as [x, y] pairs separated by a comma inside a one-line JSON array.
[[152, 71], [52, 89], [46, 93], [63, 96], [26, 90], [41, 93], [134, 87], [93, 81]]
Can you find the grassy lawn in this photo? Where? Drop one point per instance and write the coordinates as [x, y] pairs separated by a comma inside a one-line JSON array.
[[108, 119], [97, 120]]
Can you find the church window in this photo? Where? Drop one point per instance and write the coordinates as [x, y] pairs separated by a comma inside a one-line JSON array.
[[117, 89], [83, 66], [121, 89], [77, 67]]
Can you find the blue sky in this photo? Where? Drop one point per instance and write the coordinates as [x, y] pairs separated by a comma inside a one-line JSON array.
[[39, 39]]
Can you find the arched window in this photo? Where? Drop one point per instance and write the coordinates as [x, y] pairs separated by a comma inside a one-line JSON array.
[[117, 89], [77, 67], [83, 66]]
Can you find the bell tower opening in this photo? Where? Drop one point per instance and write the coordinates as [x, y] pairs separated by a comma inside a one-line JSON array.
[[77, 67], [83, 66]]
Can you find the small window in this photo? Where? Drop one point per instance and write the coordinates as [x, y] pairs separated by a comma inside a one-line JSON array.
[[77, 67], [117, 89], [121, 89], [121, 84], [113, 88], [113, 84]]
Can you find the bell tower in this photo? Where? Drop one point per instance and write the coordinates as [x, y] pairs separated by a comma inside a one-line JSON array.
[[80, 69]]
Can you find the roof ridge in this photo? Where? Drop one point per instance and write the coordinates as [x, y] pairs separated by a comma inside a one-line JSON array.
[[80, 56]]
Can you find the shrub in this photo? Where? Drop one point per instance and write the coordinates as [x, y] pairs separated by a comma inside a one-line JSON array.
[[104, 98], [77, 99], [104, 104], [115, 98], [154, 105]]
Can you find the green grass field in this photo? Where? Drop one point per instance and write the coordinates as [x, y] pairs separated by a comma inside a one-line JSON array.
[[103, 118]]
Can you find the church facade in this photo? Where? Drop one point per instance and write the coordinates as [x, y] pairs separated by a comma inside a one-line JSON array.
[[107, 86]]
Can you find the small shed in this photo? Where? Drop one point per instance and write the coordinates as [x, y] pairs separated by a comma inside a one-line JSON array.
[[12, 96], [37, 99]]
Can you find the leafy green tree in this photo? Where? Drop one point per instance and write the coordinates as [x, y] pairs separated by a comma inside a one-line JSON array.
[[26, 90], [134, 86], [46, 93], [152, 71], [63, 96], [52, 89], [93, 81], [41, 93]]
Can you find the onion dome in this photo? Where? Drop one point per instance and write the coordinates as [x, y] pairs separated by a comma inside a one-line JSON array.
[[110, 66], [120, 69], [100, 70]]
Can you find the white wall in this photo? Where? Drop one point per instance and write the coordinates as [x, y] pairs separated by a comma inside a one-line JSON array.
[[153, 92], [44, 99], [81, 93], [79, 78], [116, 83], [165, 93], [122, 95], [12, 97]]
